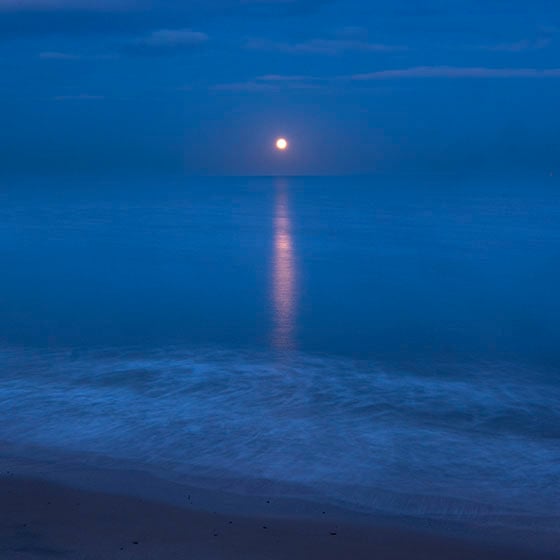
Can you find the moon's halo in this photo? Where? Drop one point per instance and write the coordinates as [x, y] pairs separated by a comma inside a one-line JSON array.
[[281, 144]]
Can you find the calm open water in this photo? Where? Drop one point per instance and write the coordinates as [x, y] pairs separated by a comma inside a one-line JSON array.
[[390, 343]]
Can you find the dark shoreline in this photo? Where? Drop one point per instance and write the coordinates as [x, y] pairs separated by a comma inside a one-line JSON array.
[[40, 518]]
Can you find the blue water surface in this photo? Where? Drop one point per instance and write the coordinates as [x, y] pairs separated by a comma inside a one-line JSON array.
[[386, 342]]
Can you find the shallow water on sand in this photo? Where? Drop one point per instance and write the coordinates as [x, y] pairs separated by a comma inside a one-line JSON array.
[[469, 443]]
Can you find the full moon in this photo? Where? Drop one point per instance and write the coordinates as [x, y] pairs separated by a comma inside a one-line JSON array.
[[281, 143]]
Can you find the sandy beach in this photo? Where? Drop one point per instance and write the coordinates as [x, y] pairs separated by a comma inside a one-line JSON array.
[[42, 519]]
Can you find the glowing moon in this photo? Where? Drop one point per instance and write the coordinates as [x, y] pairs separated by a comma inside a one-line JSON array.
[[281, 144]]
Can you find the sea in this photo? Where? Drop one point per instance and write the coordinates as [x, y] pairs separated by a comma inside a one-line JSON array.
[[386, 343]]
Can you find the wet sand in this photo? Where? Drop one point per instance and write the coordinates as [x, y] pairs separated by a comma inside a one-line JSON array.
[[40, 519]]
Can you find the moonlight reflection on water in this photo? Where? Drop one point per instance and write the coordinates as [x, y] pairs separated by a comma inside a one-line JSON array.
[[284, 281]]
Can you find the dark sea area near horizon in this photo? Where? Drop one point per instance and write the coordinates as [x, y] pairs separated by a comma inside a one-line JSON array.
[[388, 344]]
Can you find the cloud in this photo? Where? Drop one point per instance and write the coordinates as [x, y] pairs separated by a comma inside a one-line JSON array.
[[250, 86], [161, 41], [457, 72], [53, 55], [57, 55], [79, 97], [175, 37], [170, 10], [274, 82], [67, 5], [281, 82], [273, 7], [285, 78], [519, 46], [165, 41], [324, 46]]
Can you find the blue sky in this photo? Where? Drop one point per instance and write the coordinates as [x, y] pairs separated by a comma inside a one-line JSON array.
[[205, 86]]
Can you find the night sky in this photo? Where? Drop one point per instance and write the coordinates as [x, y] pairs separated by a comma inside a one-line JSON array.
[[205, 86]]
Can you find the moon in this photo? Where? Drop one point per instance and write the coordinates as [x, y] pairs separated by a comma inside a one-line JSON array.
[[281, 144]]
